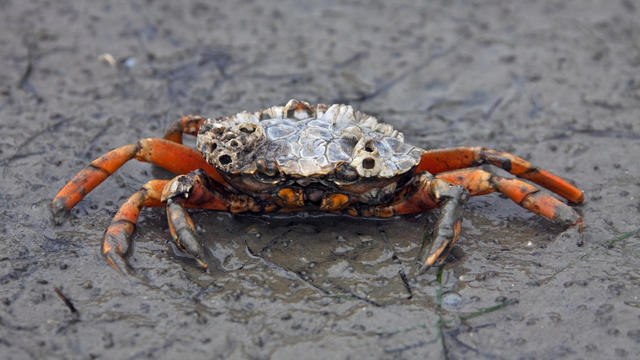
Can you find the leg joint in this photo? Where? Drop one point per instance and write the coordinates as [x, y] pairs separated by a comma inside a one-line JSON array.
[[180, 187]]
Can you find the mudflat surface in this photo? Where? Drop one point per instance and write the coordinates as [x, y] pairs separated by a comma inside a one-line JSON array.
[[556, 82]]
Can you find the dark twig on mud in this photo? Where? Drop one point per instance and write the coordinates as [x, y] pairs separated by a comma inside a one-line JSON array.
[[344, 292], [66, 300], [406, 347], [25, 76], [396, 259]]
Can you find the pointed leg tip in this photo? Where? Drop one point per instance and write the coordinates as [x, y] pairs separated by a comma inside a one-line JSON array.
[[423, 269], [431, 260], [59, 211], [579, 224], [579, 199], [118, 263], [202, 264]]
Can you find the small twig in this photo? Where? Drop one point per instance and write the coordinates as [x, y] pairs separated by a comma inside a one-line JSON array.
[[396, 259], [66, 300], [405, 282], [352, 295], [25, 75]]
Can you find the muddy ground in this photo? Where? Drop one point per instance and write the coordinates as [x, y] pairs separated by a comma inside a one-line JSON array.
[[556, 82]]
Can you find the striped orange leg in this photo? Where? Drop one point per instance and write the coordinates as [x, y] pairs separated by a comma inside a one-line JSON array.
[[479, 182], [188, 124], [430, 193], [117, 238], [164, 153], [437, 161]]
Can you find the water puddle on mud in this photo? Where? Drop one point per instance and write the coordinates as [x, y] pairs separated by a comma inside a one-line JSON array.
[[331, 256]]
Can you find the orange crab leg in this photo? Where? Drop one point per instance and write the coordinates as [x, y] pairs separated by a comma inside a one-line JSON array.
[[164, 153], [418, 198], [189, 124], [117, 237], [479, 182], [437, 161]]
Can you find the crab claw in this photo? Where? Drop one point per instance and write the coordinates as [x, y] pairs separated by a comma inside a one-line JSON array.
[[183, 231], [442, 245], [115, 245], [450, 199], [119, 263]]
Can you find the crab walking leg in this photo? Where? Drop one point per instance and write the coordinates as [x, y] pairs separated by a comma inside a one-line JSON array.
[[428, 194], [164, 153], [189, 124], [480, 182], [117, 237], [437, 161]]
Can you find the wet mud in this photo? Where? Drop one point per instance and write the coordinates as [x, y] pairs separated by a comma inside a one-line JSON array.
[[555, 82]]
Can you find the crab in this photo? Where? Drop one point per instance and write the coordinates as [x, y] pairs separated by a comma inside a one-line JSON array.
[[312, 158]]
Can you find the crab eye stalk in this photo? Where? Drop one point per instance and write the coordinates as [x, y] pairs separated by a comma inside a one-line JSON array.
[[346, 173], [267, 168], [248, 128], [267, 171]]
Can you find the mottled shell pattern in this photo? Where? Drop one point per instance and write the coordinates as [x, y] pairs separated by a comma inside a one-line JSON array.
[[303, 141]]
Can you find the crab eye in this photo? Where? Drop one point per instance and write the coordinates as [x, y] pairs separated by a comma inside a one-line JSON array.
[[248, 128], [266, 171], [346, 173], [369, 147]]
